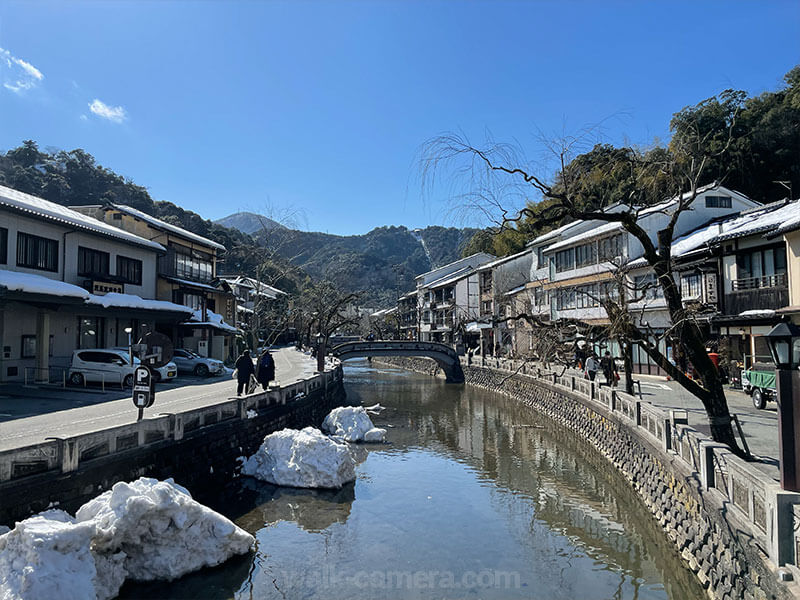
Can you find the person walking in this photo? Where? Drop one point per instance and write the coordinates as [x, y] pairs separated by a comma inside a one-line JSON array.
[[609, 368], [265, 372], [244, 369], [591, 366]]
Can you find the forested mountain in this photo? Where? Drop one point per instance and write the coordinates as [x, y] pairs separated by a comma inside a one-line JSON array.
[[379, 263], [383, 262]]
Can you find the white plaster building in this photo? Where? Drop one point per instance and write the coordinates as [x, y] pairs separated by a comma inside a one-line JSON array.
[[69, 281]]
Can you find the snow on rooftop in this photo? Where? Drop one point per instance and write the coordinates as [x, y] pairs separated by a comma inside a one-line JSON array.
[[212, 320], [61, 214], [761, 220], [516, 290], [262, 288], [485, 257], [159, 224], [451, 277], [15, 281], [115, 300], [503, 260], [586, 235]]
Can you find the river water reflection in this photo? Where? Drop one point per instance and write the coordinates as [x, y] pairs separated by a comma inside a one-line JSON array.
[[473, 497]]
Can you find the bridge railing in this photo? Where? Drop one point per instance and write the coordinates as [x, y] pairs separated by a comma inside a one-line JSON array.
[[769, 514], [66, 454]]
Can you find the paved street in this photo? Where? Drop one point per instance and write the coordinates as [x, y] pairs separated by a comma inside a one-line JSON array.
[[62, 413], [760, 426]]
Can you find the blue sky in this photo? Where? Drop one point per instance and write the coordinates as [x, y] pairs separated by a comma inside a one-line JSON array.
[[320, 108]]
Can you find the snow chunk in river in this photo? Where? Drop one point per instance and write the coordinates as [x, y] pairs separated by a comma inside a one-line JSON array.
[[163, 531], [304, 459], [352, 424]]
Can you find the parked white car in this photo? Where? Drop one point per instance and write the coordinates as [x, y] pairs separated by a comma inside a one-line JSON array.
[[166, 373], [190, 362], [111, 366]]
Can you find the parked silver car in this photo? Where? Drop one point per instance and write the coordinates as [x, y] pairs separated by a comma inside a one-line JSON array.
[[190, 362]]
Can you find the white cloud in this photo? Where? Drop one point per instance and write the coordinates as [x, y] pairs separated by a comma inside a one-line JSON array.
[[20, 75], [84, 118], [116, 114]]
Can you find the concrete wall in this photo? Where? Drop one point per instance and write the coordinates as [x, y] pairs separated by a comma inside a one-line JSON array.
[[730, 523], [197, 448]]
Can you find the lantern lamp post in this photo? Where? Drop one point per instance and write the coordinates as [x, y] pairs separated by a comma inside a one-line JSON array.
[[784, 345]]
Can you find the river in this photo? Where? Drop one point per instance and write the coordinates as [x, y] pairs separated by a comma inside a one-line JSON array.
[[473, 496]]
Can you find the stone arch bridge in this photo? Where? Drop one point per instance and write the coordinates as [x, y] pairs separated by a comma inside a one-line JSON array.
[[444, 355]]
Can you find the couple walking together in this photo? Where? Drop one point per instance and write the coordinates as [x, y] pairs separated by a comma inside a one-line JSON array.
[[263, 372]]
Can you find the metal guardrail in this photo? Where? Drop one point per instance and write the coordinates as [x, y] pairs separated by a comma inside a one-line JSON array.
[[32, 376]]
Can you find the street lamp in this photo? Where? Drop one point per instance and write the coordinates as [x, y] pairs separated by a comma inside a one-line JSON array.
[[784, 345], [129, 330]]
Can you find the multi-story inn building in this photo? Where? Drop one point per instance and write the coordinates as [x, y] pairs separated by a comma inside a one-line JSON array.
[[67, 282], [575, 266], [500, 283], [187, 272], [408, 316], [448, 298]]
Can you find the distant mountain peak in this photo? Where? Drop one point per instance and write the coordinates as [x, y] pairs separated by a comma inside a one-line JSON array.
[[249, 222]]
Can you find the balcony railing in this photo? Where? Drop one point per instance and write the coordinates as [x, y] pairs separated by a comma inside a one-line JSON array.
[[756, 298], [767, 281]]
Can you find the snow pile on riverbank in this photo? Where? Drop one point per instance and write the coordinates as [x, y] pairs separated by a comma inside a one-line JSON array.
[[50, 556], [305, 459], [162, 530], [352, 424], [144, 530]]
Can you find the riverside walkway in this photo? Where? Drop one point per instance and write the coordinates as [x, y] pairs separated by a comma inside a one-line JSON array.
[[291, 366], [760, 426]]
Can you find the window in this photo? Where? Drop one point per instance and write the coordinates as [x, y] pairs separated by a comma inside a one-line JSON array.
[[129, 270], [192, 264], [691, 287], [610, 248], [90, 332], [34, 252], [117, 217], [565, 299], [540, 297], [761, 266], [92, 263], [193, 301], [646, 287], [540, 258], [718, 202], [565, 260], [587, 296], [3, 245], [29, 346], [586, 255]]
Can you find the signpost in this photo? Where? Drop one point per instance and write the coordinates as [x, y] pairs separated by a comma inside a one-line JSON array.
[[144, 393], [155, 350]]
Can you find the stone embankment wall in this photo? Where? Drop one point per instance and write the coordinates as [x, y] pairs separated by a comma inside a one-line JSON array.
[[198, 449], [730, 523]]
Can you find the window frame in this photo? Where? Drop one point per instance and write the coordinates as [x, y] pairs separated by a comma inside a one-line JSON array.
[[92, 255], [3, 246], [122, 271], [44, 252]]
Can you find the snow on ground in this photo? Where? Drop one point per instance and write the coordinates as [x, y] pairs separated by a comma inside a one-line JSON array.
[[352, 424], [305, 459], [144, 530], [163, 531]]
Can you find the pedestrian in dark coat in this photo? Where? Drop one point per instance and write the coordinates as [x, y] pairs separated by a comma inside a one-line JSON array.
[[609, 369], [244, 369], [265, 372]]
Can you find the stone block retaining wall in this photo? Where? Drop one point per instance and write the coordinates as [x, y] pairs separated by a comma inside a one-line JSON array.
[[728, 521]]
